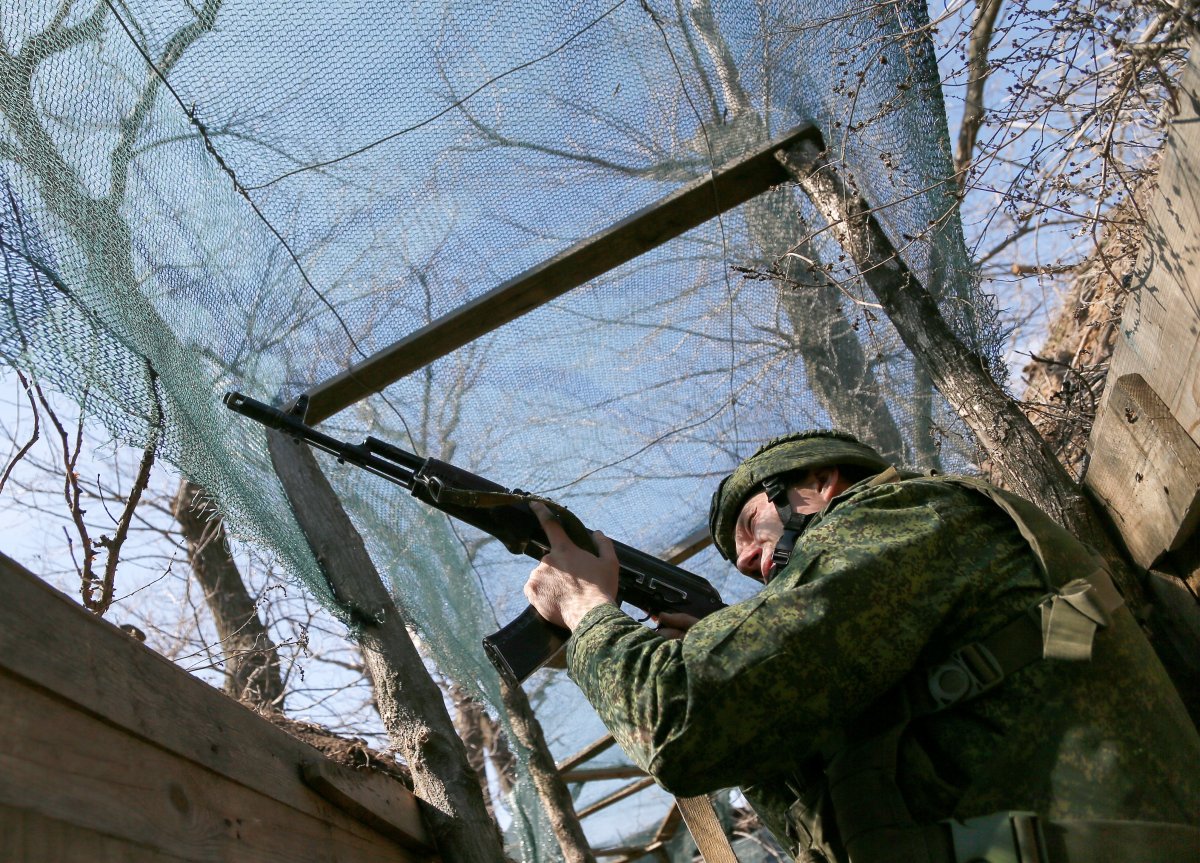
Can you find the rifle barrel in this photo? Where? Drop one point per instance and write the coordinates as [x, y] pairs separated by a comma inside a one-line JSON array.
[[374, 456]]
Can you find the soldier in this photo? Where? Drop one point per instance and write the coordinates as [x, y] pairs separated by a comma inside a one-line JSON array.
[[916, 681]]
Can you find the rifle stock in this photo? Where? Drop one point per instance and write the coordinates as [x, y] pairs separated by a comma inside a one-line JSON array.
[[527, 642]]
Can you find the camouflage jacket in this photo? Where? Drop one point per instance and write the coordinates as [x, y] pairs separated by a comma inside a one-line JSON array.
[[892, 578]]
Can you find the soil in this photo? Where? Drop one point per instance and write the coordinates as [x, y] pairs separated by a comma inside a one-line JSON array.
[[350, 752]]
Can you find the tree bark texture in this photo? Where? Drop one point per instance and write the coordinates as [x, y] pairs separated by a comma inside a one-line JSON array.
[[469, 720], [485, 741], [251, 660], [551, 788], [1023, 458], [410, 702]]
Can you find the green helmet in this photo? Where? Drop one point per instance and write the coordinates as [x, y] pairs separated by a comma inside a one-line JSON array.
[[792, 453]]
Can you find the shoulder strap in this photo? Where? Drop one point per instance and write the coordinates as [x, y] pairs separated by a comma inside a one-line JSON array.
[[1062, 626], [704, 825]]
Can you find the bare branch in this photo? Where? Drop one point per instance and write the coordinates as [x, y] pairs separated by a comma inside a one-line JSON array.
[[113, 546], [32, 438], [978, 70]]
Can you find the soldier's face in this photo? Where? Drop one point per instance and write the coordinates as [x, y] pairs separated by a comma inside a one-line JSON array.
[[759, 527], [755, 534]]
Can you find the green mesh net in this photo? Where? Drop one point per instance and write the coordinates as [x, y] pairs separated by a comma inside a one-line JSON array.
[[204, 196]]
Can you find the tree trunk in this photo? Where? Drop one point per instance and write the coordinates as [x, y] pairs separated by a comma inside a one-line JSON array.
[[1013, 445], [409, 701], [468, 722], [551, 788], [251, 660]]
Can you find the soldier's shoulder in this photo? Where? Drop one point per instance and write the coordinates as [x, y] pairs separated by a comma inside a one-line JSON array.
[[900, 489]]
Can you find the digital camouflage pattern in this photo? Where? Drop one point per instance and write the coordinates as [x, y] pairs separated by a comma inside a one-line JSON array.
[[892, 578], [791, 453]]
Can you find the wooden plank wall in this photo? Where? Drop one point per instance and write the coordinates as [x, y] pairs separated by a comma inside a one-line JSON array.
[[110, 752], [1145, 471], [1145, 445]]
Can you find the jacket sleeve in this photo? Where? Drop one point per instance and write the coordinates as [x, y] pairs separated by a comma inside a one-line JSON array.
[[755, 688]]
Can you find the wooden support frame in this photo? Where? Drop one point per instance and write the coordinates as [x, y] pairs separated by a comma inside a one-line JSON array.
[[598, 774], [688, 207], [616, 797], [691, 545], [587, 753]]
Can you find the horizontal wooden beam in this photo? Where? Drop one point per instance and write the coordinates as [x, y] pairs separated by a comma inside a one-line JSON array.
[[695, 203], [631, 852], [593, 774], [587, 753], [616, 797], [689, 546]]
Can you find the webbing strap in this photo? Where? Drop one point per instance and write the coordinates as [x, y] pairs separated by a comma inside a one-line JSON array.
[[1066, 629], [704, 825], [1071, 616]]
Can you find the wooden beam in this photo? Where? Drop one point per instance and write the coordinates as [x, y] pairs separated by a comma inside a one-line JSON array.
[[594, 774], [369, 802], [691, 545], [1145, 442], [1159, 336], [587, 753], [670, 825], [679, 212], [410, 703], [617, 796], [630, 852], [1147, 470]]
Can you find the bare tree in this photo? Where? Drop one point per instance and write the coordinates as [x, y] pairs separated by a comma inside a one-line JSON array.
[[251, 661]]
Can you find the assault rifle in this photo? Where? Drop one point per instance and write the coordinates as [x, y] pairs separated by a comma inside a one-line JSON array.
[[528, 642]]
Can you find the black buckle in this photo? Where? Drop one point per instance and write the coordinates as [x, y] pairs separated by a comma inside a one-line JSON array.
[[775, 488], [970, 671]]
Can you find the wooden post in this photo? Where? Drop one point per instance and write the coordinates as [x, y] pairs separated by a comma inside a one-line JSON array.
[[1145, 444], [410, 703]]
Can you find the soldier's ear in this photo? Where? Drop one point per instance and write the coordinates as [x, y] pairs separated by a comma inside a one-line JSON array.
[[829, 482]]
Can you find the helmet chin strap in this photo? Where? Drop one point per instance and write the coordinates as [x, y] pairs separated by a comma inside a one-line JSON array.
[[792, 528], [794, 524]]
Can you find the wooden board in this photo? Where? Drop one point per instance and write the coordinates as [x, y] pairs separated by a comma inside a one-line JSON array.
[[72, 767], [1149, 474], [1159, 340], [692, 205], [104, 735], [1160, 330], [30, 836]]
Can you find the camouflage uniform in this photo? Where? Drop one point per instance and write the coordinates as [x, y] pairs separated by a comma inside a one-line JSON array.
[[890, 578]]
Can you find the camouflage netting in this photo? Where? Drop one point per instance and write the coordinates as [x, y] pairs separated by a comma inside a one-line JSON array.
[[204, 196]]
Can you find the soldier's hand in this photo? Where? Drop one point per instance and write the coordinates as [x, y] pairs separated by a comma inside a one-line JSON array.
[[570, 582], [674, 624]]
